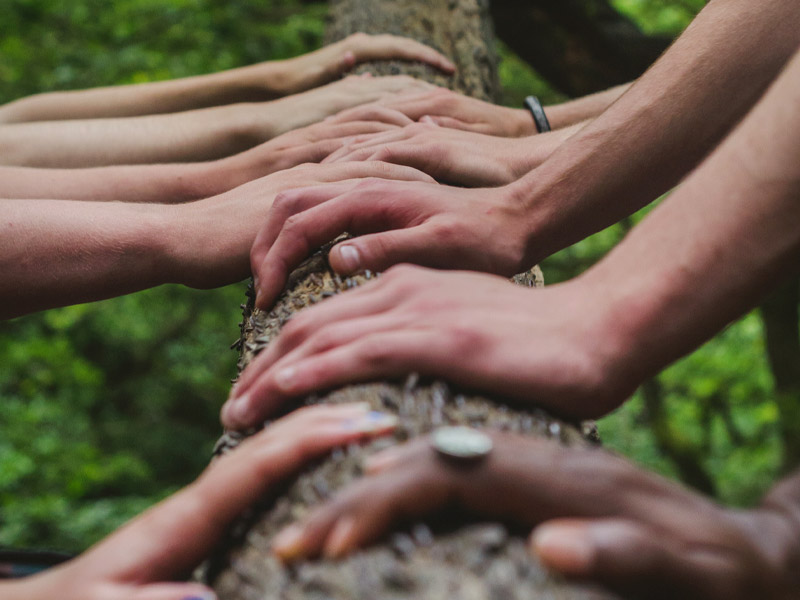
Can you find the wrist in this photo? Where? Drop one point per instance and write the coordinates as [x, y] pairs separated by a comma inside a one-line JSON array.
[[205, 247], [521, 121]]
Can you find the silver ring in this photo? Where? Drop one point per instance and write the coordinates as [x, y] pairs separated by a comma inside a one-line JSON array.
[[461, 443]]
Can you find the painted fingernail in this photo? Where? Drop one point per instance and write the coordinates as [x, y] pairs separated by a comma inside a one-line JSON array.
[[288, 544], [340, 540], [565, 549], [285, 378], [349, 257], [371, 422], [203, 596]]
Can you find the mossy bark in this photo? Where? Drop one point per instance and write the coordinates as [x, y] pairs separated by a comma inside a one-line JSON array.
[[462, 557]]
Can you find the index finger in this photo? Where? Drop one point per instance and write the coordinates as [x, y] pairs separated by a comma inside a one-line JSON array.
[[176, 534]]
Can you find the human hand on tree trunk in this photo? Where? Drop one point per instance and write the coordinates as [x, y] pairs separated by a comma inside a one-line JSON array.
[[597, 517], [146, 559], [423, 223], [457, 111], [454, 156], [329, 62], [554, 347]]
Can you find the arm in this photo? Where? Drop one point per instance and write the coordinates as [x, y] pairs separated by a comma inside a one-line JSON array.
[[59, 252], [181, 182], [662, 127], [146, 558], [264, 81], [599, 518], [576, 111], [702, 258], [196, 135]]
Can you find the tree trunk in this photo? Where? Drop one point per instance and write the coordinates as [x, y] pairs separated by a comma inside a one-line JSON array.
[[579, 46], [462, 558]]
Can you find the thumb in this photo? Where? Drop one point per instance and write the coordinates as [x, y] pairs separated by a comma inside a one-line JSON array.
[[379, 251], [621, 554]]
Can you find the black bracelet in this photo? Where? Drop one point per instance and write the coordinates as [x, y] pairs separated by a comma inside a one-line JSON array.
[[533, 104]]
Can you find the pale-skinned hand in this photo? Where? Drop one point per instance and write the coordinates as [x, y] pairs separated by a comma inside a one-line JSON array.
[[146, 559], [598, 518], [214, 236], [486, 229], [457, 111], [354, 90], [451, 156], [554, 347], [308, 144], [329, 62]]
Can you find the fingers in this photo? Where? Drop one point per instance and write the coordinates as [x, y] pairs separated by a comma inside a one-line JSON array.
[[389, 47], [301, 222], [364, 511], [371, 112], [370, 356], [176, 534], [453, 123]]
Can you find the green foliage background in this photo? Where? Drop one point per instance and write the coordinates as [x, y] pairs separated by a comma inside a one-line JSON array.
[[106, 408]]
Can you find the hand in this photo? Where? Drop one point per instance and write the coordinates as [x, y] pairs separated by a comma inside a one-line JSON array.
[[555, 348], [450, 155], [456, 111], [209, 240], [423, 223], [308, 144], [314, 105], [166, 542], [604, 519], [329, 62]]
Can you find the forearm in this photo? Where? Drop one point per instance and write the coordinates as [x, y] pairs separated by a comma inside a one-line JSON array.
[[719, 243], [190, 136], [60, 252], [246, 84], [581, 109], [164, 184], [664, 125]]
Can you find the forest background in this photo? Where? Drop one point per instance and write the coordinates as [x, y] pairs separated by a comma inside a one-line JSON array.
[[107, 407]]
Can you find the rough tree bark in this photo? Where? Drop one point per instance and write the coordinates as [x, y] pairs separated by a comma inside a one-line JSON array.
[[460, 558]]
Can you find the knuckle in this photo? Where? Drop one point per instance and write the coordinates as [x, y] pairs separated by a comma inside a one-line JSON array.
[[447, 233], [375, 352]]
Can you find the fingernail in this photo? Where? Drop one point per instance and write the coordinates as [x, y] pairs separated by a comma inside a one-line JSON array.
[[427, 119], [349, 257], [371, 422], [288, 544], [203, 596], [285, 378], [565, 549], [235, 410], [340, 539]]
